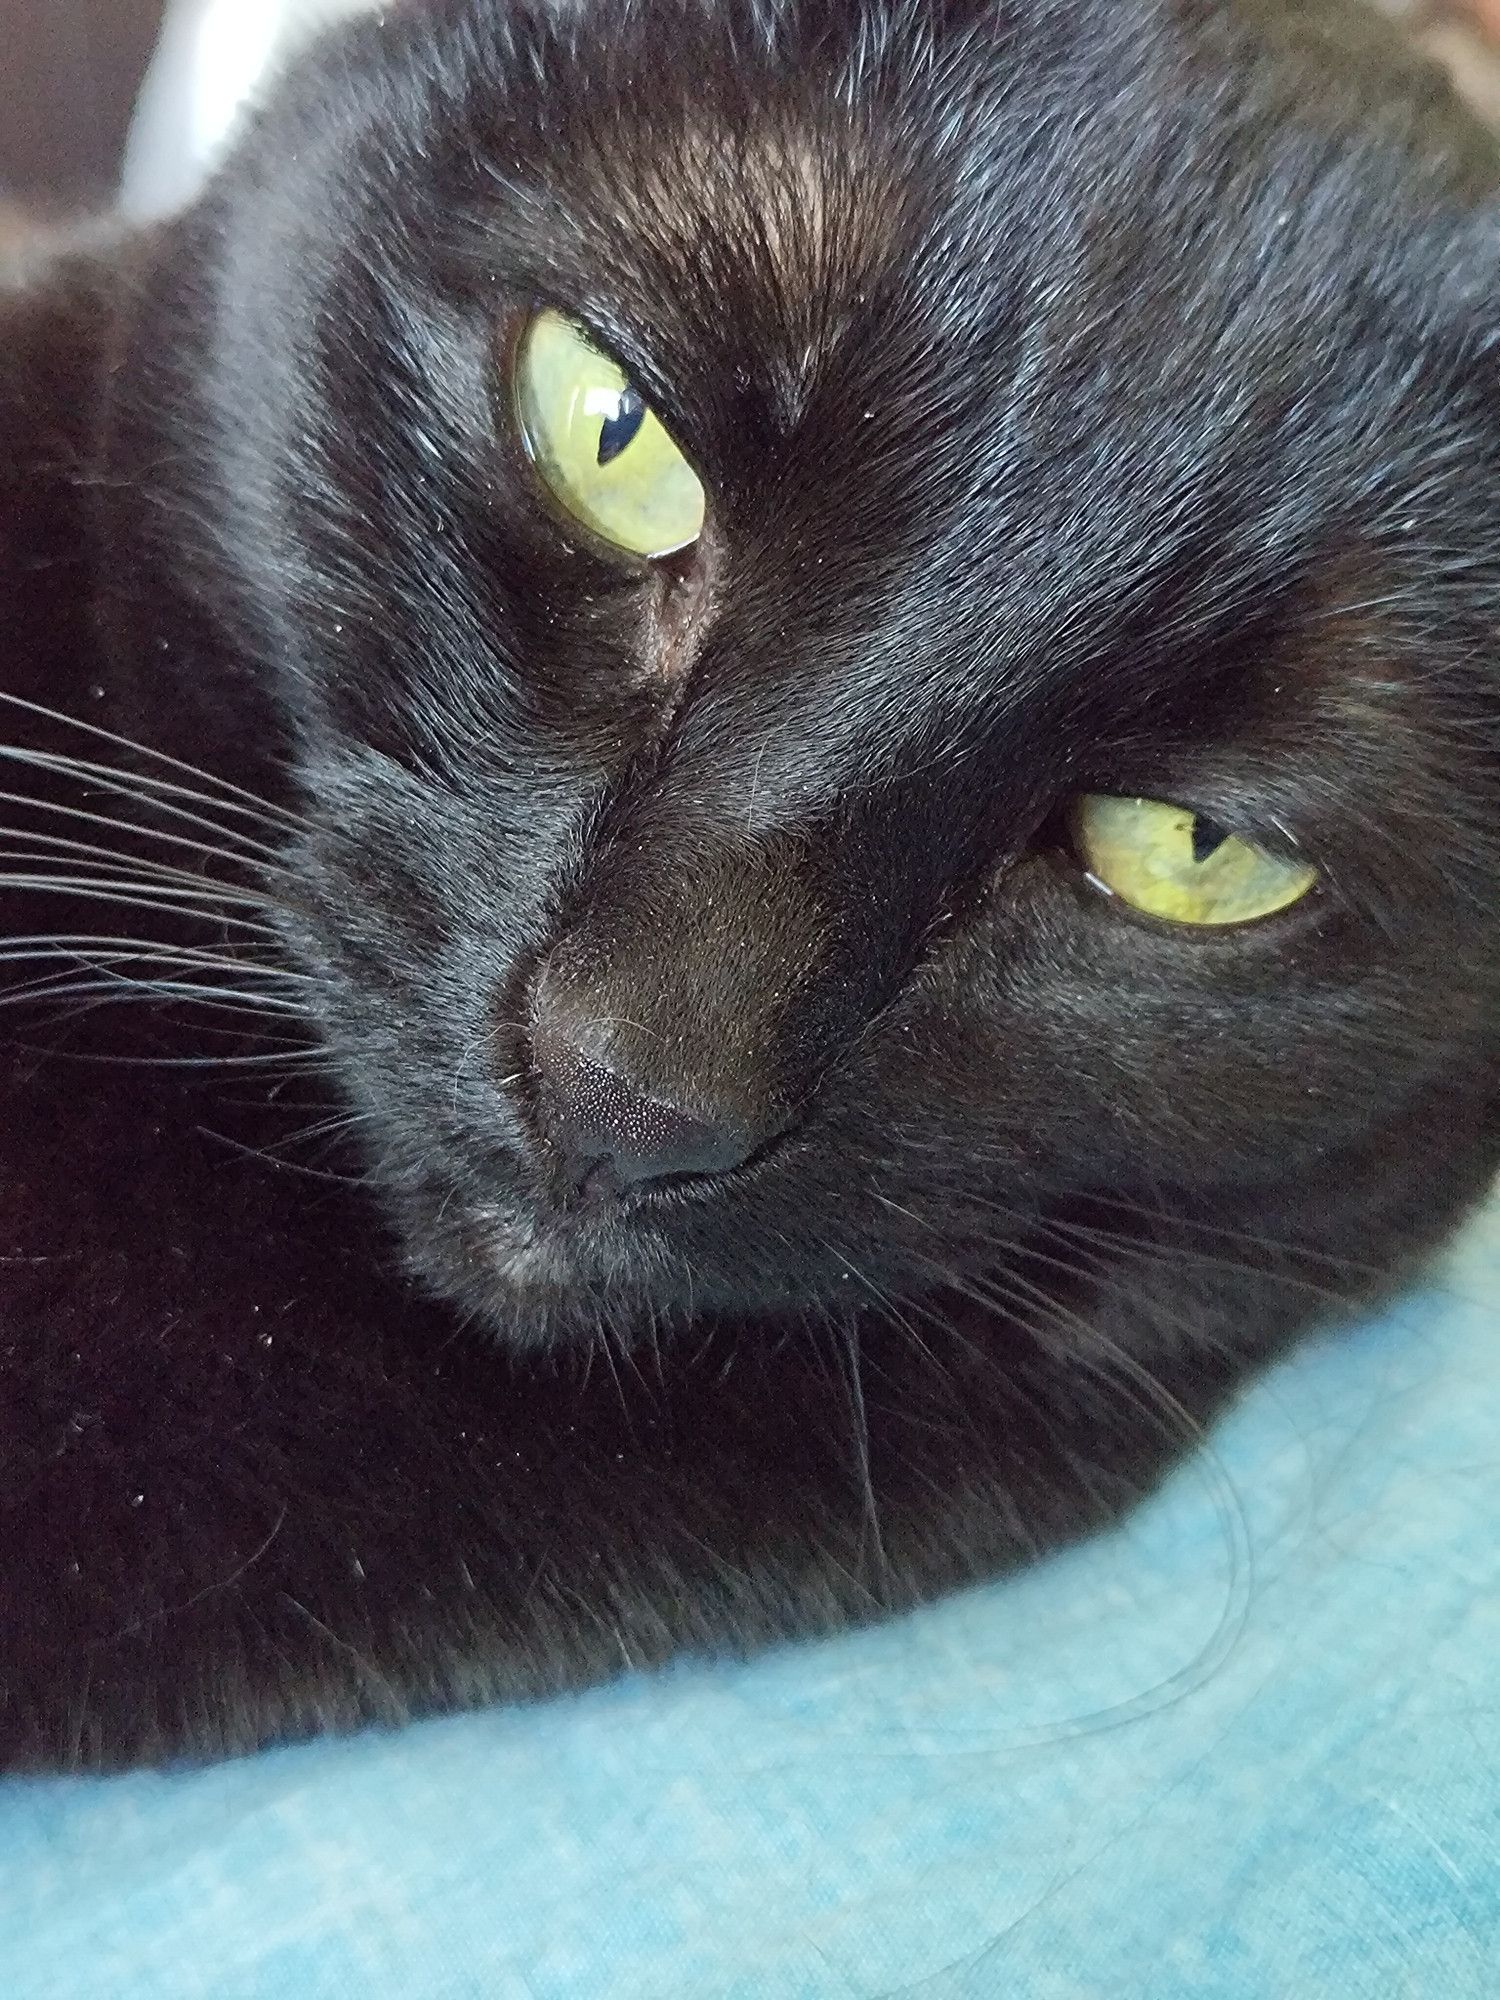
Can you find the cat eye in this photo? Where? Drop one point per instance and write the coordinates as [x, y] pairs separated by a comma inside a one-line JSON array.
[[1181, 865], [600, 450]]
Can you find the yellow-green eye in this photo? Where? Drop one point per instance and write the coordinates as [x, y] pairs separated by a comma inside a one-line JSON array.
[[1178, 864], [602, 451]]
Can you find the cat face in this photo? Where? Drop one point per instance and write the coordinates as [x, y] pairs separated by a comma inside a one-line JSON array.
[[721, 930]]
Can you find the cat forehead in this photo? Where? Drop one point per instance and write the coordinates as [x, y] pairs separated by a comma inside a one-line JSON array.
[[816, 203], [972, 381], [752, 200], [769, 212], [763, 247], [855, 251]]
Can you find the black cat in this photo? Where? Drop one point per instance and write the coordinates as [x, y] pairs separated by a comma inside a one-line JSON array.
[[752, 813]]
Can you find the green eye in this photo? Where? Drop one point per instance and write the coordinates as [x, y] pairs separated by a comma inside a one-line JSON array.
[[601, 451], [1178, 864]]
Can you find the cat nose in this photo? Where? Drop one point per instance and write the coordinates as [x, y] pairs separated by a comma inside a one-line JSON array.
[[611, 1131]]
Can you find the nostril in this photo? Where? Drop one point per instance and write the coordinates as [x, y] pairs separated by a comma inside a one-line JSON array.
[[613, 1133], [597, 1181]]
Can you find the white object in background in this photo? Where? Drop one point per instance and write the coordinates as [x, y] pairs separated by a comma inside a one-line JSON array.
[[211, 57]]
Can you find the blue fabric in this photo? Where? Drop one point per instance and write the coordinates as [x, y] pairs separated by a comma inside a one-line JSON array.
[[1245, 1748]]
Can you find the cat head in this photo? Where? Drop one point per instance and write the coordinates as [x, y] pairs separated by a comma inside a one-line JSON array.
[[1086, 503]]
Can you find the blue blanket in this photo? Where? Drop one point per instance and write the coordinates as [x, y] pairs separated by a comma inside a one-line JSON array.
[[1247, 1747]]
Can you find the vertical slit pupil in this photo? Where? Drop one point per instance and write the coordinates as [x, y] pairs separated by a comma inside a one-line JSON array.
[[1208, 837], [617, 431]]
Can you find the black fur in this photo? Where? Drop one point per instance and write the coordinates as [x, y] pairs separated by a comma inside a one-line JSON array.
[[1090, 397]]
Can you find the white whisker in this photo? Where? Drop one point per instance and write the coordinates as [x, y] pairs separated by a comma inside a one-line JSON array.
[[112, 941], [151, 866], [121, 987], [167, 901], [125, 785], [259, 805], [129, 827]]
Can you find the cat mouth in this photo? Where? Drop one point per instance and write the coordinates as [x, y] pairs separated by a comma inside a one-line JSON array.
[[535, 1274], [534, 1256], [532, 1268]]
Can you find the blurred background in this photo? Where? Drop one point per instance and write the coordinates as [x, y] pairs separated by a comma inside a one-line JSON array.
[[69, 73], [93, 90]]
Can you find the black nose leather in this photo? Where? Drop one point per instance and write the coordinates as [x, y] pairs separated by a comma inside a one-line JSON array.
[[600, 1119]]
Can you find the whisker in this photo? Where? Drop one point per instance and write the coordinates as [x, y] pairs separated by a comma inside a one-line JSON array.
[[1251, 1240], [168, 901], [1165, 1255], [129, 787], [87, 769], [888, 1309], [105, 975], [325, 1129], [270, 1062], [260, 805], [859, 1417], [282, 1166], [100, 954], [1088, 1346], [131, 828], [100, 992], [277, 1060], [1167, 1218], [187, 899], [112, 942], [329, 1128], [150, 865]]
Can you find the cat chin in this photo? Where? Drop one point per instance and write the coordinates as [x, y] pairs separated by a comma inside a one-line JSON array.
[[537, 1280], [535, 1277]]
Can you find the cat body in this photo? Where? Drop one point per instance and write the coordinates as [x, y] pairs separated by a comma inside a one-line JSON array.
[[1090, 401]]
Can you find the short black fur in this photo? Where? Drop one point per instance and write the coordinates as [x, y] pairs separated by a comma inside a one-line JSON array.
[[1090, 398]]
